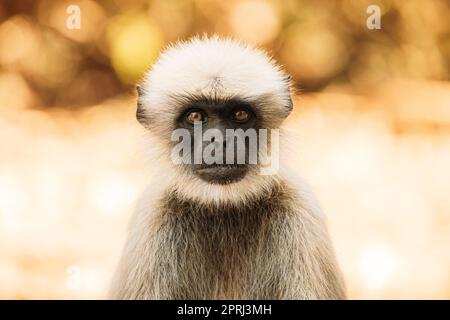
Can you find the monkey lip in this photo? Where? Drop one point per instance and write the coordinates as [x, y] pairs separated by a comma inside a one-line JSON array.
[[221, 173], [219, 166]]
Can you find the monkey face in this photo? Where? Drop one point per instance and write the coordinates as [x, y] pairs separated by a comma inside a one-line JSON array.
[[216, 96], [225, 133]]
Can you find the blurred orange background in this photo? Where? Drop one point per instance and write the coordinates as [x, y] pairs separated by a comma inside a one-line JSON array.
[[373, 117]]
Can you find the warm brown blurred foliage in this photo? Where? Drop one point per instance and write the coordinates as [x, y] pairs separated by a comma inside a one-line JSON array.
[[320, 42], [373, 119]]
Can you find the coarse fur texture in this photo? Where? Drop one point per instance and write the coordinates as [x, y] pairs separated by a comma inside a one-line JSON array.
[[263, 237]]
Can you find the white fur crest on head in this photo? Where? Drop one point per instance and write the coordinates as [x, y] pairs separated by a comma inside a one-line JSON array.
[[205, 65]]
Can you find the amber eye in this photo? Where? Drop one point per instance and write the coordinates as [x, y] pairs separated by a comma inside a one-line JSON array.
[[241, 116], [195, 116]]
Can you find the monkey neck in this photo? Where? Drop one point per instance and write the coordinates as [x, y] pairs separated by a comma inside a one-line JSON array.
[[270, 201]]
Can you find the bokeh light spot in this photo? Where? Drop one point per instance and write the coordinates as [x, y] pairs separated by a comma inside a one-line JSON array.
[[134, 44]]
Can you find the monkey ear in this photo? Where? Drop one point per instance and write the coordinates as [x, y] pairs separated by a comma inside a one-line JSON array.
[[290, 91], [141, 115], [290, 107], [139, 90], [290, 104]]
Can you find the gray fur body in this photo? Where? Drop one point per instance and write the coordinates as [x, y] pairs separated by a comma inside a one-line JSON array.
[[273, 247]]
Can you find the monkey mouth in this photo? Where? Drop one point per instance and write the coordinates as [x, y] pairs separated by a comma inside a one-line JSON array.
[[221, 173]]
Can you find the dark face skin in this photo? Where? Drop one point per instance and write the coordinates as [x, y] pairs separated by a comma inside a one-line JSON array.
[[254, 112], [221, 115]]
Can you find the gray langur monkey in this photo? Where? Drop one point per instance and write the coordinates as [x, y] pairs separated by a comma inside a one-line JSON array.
[[215, 231]]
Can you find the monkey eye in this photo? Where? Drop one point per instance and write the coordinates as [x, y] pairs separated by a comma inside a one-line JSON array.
[[194, 116], [240, 116]]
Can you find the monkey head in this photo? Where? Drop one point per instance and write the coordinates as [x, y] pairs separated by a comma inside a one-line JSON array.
[[221, 94]]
